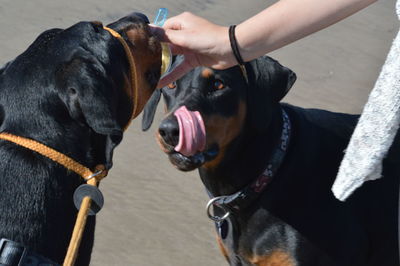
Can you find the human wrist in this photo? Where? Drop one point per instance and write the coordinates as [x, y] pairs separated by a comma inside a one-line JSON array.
[[223, 47], [235, 46], [242, 45], [253, 44]]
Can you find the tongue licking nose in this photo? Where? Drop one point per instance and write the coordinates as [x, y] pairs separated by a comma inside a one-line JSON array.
[[192, 133]]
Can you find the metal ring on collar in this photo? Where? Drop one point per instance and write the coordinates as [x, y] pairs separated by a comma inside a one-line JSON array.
[[215, 218], [93, 175]]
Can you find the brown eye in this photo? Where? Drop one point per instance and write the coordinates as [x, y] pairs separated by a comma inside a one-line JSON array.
[[218, 85], [172, 85]]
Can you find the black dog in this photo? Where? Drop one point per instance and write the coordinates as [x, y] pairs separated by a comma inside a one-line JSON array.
[[70, 91], [274, 165]]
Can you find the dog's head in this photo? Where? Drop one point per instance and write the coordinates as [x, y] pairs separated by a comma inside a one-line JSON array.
[[208, 109], [82, 75]]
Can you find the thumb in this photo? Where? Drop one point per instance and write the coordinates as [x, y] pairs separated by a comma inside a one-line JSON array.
[[162, 36], [176, 73], [177, 40]]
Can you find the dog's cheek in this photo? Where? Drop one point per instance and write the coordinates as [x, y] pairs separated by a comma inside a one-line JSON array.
[[125, 102], [147, 56], [222, 131], [153, 62], [152, 77]]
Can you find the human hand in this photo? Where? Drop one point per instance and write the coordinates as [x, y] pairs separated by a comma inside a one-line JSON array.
[[201, 42]]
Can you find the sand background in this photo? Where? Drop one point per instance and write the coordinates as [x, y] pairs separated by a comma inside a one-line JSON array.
[[154, 215]]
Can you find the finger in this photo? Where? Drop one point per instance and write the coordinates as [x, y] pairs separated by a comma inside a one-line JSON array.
[[178, 72], [159, 32], [177, 40], [173, 23], [182, 21], [161, 35]]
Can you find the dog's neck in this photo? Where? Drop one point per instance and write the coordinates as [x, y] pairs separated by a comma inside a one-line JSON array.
[[47, 187], [50, 125], [245, 158]]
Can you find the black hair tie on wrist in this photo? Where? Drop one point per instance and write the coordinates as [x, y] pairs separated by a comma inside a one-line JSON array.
[[236, 52], [234, 45]]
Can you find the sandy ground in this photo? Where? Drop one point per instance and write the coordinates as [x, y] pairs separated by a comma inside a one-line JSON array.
[[154, 215]]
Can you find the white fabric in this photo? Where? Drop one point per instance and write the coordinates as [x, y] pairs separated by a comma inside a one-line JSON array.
[[375, 130]]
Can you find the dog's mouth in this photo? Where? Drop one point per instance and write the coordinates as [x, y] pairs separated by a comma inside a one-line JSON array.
[[187, 149], [192, 131], [189, 163]]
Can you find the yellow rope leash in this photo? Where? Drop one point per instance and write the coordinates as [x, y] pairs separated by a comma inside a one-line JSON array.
[[52, 154], [76, 237], [79, 227], [74, 166]]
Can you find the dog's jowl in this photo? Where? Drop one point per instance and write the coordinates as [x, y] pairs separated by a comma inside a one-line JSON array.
[[268, 168]]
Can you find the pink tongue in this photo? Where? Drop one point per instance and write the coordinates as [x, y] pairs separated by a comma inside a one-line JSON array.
[[192, 133]]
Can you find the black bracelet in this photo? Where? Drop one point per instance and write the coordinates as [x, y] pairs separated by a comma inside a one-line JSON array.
[[234, 45]]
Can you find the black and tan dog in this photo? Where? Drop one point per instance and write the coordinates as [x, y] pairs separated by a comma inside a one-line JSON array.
[[269, 167], [72, 91]]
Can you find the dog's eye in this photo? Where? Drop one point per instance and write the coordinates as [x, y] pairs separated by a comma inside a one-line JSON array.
[[172, 85], [218, 85]]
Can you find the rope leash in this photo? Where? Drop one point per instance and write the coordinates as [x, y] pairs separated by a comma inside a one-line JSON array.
[[71, 165], [80, 224]]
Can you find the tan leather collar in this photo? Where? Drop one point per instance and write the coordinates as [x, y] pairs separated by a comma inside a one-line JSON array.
[[133, 74]]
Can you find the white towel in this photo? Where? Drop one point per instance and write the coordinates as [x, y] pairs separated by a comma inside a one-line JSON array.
[[375, 130]]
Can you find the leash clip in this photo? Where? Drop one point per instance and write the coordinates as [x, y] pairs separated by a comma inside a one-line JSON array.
[[93, 175], [215, 218]]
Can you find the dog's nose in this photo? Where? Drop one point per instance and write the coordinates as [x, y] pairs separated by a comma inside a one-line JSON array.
[[169, 131]]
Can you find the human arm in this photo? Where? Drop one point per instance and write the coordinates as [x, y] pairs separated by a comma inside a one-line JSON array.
[[207, 44], [289, 20]]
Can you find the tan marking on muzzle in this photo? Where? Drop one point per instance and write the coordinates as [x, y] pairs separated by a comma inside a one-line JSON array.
[[274, 258], [222, 130]]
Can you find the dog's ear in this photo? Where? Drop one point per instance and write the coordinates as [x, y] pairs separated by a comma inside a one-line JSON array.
[[150, 110], [91, 99], [269, 82], [151, 106]]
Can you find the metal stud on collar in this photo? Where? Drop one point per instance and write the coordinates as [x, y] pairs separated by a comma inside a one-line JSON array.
[[215, 218]]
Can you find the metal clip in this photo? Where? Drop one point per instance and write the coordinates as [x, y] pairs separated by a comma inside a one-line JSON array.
[[93, 175], [215, 218]]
